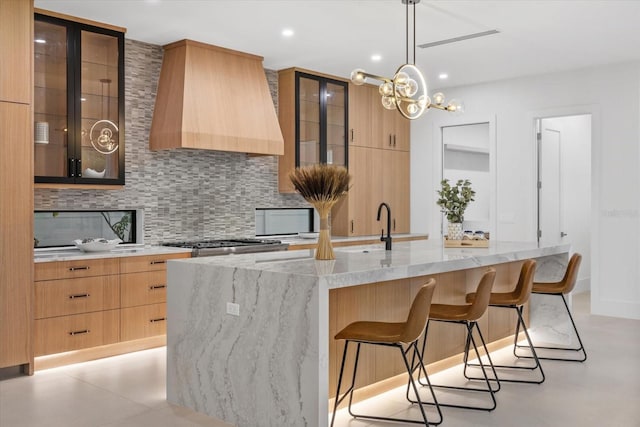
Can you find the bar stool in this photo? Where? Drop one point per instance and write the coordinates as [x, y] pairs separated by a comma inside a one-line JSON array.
[[515, 300], [468, 315], [388, 334], [561, 288]]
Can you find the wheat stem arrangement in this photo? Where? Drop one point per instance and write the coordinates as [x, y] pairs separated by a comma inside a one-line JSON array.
[[322, 186]]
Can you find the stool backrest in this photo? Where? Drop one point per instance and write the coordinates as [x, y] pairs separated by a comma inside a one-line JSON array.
[[525, 282], [571, 275], [483, 293], [419, 313]]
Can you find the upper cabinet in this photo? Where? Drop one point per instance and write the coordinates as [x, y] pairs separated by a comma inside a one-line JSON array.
[[78, 102], [15, 41], [313, 114]]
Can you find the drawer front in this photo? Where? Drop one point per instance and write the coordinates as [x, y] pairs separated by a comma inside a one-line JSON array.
[[142, 322], [74, 296], [136, 264], [66, 333], [149, 287], [73, 269]]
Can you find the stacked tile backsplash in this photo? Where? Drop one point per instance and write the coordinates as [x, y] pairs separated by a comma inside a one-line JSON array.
[[185, 194]]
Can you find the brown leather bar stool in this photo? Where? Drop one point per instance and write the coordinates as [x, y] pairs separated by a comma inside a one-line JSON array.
[[403, 336], [515, 300], [561, 288], [468, 315]]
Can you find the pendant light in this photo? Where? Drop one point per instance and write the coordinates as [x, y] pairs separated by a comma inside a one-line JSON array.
[[407, 90]]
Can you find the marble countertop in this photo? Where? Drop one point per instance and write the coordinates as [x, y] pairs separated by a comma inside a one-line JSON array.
[[73, 254], [371, 263]]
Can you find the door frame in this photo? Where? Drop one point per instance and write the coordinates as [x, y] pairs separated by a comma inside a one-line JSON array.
[[539, 131], [596, 172]]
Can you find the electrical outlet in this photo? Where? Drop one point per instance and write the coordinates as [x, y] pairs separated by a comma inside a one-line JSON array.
[[233, 309]]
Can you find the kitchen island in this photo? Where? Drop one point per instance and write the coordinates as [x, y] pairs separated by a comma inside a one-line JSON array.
[[250, 337]]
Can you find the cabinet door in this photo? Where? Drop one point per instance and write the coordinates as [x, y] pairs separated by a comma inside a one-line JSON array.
[[309, 121], [16, 50], [51, 115], [99, 134], [402, 133], [74, 296], [401, 192], [149, 287], [360, 115], [143, 321], [336, 126]]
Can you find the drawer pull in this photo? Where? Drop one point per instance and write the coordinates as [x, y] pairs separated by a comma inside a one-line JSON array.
[[154, 287], [159, 319], [86, 267], [163, 261], [84, 331], [79, 296]]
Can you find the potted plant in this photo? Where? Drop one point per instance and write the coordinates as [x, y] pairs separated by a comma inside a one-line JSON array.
[[453, 201]]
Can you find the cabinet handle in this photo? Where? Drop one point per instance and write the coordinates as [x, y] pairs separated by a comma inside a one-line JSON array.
[[158, 262], [86, 267], [352, 221], [159, 319], [72, 167], [394, 224], [394, 140], [84, 331], [154, 287], [79, 168], [352, 135], [390, 140], [76, 296]]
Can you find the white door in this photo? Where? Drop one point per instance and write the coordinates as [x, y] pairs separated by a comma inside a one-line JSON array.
[[549, 185]]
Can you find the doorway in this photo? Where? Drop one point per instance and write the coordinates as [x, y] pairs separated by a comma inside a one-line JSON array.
[[564, 186]]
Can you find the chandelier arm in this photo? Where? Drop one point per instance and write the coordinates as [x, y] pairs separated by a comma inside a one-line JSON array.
[[375, 77]]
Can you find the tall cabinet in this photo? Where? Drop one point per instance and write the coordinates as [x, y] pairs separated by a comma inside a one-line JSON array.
[[16, 184], [379, 165]]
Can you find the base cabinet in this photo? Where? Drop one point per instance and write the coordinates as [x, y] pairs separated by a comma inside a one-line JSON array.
[[95, 302]]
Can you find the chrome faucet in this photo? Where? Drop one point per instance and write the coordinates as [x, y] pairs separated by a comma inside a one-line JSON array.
[[386, 240]]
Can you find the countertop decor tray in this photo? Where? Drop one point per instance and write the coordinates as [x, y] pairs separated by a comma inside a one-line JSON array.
[[466, 243]]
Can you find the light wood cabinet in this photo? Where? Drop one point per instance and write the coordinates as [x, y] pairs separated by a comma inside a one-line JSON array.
[[16, 46], [94, 302]]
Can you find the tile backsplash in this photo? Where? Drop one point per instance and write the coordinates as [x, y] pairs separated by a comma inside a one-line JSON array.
[[185, 194]]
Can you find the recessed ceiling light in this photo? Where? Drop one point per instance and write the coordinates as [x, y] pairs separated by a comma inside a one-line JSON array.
[[287, 32], [443, 76], [41, 41], [376, 57]]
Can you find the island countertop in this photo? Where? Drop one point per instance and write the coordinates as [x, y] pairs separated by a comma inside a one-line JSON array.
[[248, 335], [371, 263]]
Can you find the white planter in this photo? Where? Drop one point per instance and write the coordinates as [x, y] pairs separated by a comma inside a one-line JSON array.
[[454, 231]]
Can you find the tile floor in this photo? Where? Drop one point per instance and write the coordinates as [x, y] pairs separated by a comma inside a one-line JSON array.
[[129, 390]]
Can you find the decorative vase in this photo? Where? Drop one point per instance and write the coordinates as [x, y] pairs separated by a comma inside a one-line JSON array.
[[454, 231]]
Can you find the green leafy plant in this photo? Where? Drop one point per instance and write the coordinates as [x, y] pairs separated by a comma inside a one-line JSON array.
[[454, 199], [119, 228]]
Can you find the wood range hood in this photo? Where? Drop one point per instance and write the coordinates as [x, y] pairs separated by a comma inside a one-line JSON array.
[[213, 98]]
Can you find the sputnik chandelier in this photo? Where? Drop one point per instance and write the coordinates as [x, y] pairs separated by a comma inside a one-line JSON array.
[[407, 90]]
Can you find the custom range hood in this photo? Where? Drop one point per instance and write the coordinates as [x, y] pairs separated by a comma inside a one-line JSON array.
[[214, 98]]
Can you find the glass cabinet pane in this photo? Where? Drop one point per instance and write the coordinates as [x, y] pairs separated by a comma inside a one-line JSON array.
[[309, 124], [99, 134], [336, 126], [50, 100]]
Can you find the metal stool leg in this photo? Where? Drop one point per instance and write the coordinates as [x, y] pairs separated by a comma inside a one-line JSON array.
[[349, 392], [561, 349]]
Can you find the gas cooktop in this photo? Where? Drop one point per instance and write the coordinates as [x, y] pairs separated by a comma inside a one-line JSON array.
[[229, 246]]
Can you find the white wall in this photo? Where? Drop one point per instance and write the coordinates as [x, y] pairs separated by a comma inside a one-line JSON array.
[[575, 155], [612, 95]]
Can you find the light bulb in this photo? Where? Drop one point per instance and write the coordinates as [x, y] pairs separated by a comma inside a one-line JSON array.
[[389, 102], [455, 106], [386, 89], [412, 108], [400, 79], [424, 101], [411, 88], [357, 77], [438, 98]]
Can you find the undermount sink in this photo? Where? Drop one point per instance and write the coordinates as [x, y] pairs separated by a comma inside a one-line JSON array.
[[359, 250]]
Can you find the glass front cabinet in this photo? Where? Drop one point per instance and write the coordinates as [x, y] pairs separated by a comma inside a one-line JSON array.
[[313, 114], [78, 103]]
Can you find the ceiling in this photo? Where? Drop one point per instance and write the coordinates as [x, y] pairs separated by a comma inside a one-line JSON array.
[[337, 36]]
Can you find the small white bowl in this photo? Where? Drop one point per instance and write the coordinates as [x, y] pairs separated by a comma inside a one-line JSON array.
[[96, 245], [90, 173]]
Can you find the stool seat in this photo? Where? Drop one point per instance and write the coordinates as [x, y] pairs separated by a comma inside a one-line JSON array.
[[555, 288], [499, 298], [373, 331], [450, 312]]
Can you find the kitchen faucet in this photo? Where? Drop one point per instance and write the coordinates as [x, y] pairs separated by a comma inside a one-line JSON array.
[[386, 240]]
